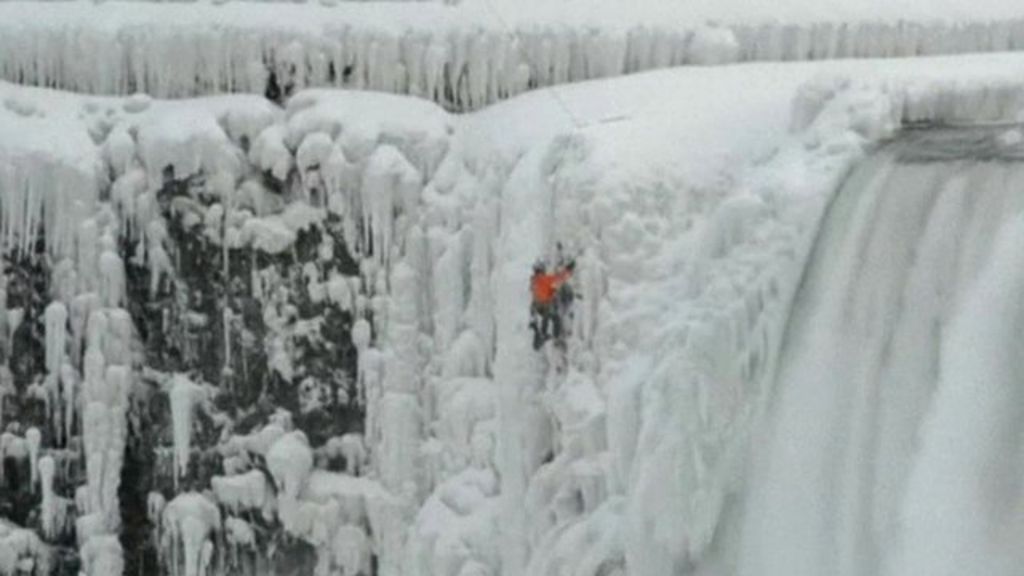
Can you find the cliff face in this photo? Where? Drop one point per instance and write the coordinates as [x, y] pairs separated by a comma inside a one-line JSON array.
[[244, 325], [191, 337]]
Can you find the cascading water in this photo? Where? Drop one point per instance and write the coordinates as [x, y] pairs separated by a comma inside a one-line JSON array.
[[894, 442]]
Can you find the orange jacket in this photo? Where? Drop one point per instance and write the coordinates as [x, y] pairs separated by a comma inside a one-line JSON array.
[[545, 286]]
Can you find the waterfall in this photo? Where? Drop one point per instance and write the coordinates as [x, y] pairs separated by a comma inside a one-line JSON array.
[[893, 443]]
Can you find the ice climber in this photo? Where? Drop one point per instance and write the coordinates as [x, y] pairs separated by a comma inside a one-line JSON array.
[[552, 296]]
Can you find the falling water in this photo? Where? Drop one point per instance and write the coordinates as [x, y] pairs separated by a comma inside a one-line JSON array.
[[894, 442]]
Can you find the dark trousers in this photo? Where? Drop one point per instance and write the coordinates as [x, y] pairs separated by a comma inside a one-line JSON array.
[[546, 323]]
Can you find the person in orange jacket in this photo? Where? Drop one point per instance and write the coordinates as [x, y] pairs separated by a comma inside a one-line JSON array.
[[549, 296]]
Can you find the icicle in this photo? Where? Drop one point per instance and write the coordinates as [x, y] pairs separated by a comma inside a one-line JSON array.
[[34, 440], [88, 259], [159, 261], [96, 434], [184, 395], [119, 384], [97, 329], [112, 278], [449, 291], [49, 506], [64, 281], [68, 379], [155, 504], [120, 332], [82, 307], [95, 367], [119, 150], [353, 450], [56, 330], [712, 46], [6, 389], [311, 159], [125, 195], [189, 520], [337, 174], [386, 184]]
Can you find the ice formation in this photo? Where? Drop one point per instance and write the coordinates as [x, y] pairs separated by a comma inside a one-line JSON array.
[[248, 491], [21, 551], [189, 522], [184, 395], [460, 57]]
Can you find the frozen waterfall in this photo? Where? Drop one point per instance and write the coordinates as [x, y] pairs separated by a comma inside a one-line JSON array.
[[894, 442]]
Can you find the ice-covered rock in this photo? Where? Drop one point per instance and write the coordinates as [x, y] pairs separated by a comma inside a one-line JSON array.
[[21, 550], [190, 521], [290, 461]]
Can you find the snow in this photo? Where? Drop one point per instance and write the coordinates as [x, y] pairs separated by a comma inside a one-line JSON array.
[[360, 121], [188, 142]]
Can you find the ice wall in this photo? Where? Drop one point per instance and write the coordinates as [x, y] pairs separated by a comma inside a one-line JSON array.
[[145, 169], [462, 59], [627, 462]]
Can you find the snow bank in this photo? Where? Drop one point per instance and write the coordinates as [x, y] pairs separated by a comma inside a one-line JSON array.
[[462, 57]]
